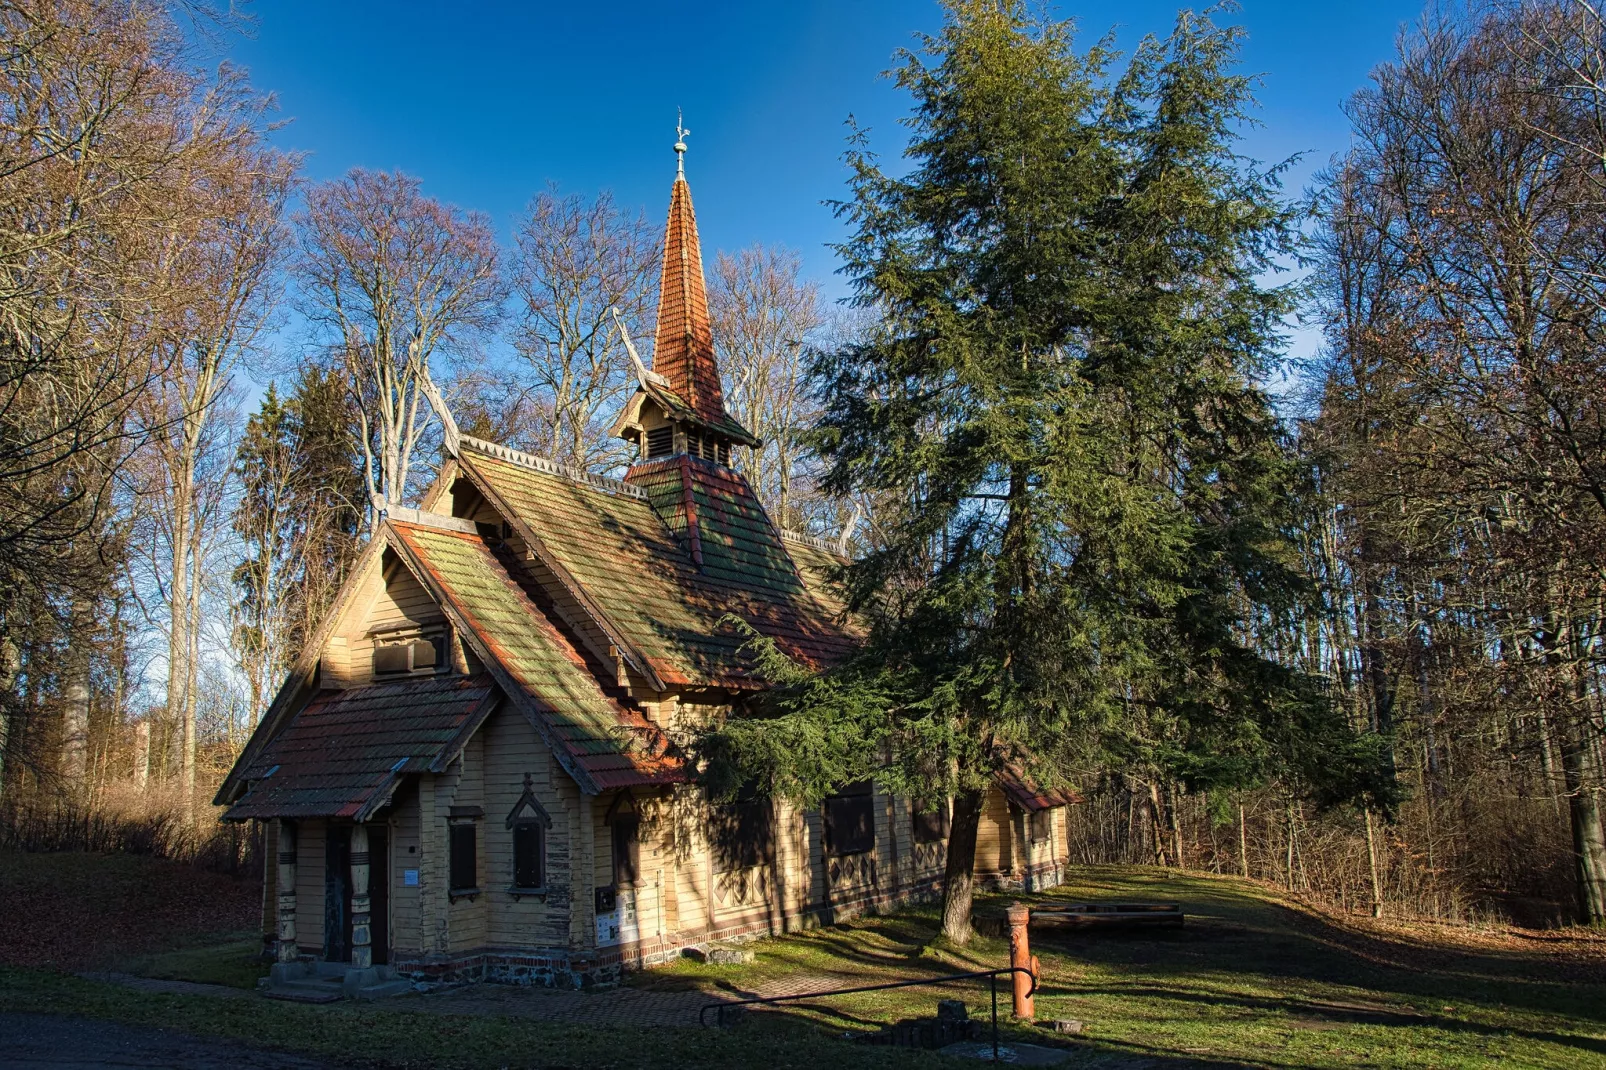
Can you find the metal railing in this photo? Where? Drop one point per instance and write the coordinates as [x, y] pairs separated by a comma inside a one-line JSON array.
[[991, 975]]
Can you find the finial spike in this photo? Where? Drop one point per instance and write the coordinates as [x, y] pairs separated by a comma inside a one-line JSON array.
[[681, 134]]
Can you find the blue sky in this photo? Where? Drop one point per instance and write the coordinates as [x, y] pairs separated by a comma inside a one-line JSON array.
[[487, 102]]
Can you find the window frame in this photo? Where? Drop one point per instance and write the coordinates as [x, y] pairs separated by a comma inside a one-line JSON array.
[[749, 831], [534, 827], [408, 640], [529, 811], [921, 824], [853, 799], [632, 842], [456, 828]]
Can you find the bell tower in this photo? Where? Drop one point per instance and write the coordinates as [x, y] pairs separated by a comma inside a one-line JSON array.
[[679, 405]]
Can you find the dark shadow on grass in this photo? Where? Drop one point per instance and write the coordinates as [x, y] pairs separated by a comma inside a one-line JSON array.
[[833, 1022], [1227, 930], [1339, 1013]]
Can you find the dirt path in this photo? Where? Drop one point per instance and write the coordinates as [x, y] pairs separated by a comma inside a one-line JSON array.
[[63, 1042]]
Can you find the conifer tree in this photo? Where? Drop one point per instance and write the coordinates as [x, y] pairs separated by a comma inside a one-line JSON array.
[[297, 519], [1088, 508]]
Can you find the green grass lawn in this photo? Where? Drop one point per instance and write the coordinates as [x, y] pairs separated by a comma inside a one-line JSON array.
[[234, 960], [1248, 982]]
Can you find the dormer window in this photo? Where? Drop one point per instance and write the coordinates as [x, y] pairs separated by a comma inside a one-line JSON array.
[[414, 654], [660, 441]]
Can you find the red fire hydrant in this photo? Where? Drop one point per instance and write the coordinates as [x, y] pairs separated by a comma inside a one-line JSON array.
[[1020, 955]]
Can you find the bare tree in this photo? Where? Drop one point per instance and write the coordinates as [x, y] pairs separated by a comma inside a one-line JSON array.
[[765, 315], [121, 180], [576, 260], [98, 119], [398, 279], [218, 280], [1464, 276]]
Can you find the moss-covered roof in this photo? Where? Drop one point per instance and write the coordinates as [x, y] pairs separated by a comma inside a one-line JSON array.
[[661, 584], [611, 742]]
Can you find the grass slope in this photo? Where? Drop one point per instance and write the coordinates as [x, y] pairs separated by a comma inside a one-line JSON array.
[[76, 911], [1249, 982]]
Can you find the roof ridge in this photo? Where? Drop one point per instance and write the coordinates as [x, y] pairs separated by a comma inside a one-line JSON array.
[[401, 514], [607, 484], [815, 541]]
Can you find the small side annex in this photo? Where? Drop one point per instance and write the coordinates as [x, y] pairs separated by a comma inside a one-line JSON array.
[[475, 770]]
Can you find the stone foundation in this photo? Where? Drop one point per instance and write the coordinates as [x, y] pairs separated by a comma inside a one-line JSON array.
[[557, 967]]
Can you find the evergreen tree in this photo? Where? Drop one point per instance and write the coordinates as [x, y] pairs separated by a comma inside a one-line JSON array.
[[298, 517], [1090, 515]]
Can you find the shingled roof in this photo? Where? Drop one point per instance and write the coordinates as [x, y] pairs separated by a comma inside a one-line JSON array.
[[622, 557], [1024, 793], [683, 351], [344, 753], [603, 742]]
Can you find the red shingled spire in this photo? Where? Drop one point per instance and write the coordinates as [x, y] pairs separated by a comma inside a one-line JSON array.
[[683, 352]]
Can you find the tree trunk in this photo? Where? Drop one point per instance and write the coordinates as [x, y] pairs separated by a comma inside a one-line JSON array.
[[142, 752], [1583, 781], [1157, 823], [1175, 817], [1288, 869], [178, 640], [1243, 843], [959, 876], [1371, 862], [75, 698]]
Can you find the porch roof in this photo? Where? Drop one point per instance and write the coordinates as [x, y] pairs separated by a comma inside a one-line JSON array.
[[1024, 793], [345, 752]]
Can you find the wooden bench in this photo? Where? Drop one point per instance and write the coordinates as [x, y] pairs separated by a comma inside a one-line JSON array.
[[1102, 915]]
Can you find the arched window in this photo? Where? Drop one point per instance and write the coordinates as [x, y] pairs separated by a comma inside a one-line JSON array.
[[529, 823], [624, 823]]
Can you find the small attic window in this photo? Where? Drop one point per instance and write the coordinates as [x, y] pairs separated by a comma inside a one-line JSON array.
[[661, 441], [397, 656]]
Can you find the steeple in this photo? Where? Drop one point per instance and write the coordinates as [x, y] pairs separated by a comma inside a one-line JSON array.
[[683, 352], [679, 407]]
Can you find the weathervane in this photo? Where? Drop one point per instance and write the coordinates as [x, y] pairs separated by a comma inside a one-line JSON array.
[[681, 134]]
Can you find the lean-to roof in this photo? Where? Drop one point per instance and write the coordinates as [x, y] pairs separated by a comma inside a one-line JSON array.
[[1024, 793]]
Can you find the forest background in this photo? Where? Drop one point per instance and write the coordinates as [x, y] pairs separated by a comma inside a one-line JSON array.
[[182, 498]]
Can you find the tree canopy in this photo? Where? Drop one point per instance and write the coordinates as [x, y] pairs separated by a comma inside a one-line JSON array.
[[1064, 409]]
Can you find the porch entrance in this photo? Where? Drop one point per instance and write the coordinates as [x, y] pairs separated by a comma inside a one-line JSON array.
[[337, 887]]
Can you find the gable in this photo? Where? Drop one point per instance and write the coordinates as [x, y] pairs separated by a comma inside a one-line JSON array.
[[602, 741], [345, 752], [626, 551]]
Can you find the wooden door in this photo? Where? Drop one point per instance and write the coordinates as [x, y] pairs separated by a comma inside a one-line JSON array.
[[379, 892], [337, 894]]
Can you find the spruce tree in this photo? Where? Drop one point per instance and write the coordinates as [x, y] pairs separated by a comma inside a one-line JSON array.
[[1084, 508]]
